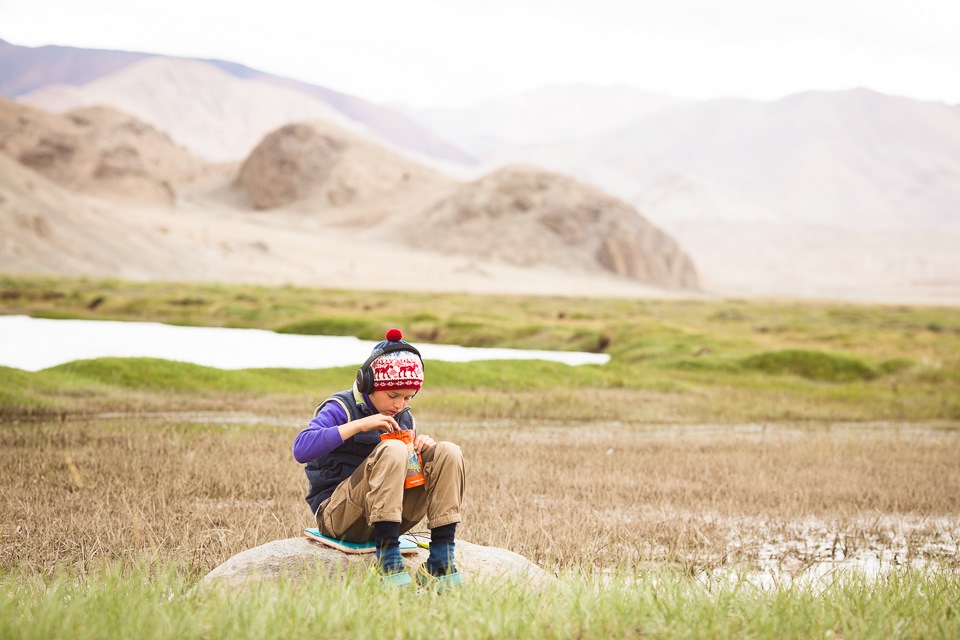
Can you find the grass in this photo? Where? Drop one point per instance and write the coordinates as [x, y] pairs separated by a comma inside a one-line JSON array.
[[813, 365], [675, 361], [193, 490], [142, 605], [725, 438]]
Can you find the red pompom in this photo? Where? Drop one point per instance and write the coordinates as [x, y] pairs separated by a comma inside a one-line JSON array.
[[394, 335]]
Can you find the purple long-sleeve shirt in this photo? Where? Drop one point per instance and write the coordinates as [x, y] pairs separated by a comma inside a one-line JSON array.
[[322, 435]]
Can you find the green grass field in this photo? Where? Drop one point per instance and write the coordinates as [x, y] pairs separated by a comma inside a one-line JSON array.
[[726, 361], [742, 424]]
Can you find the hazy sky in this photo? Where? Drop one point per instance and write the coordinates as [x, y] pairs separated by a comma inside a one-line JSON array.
[[451, 52]]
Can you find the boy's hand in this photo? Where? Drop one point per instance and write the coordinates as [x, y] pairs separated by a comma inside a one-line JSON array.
[[423, 442], [378, 422]]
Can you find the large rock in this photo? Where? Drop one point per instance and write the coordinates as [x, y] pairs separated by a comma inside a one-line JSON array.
[[299, 557]]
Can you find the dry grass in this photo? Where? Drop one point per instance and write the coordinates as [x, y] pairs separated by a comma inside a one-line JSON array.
[[192, 493], [708, 496]]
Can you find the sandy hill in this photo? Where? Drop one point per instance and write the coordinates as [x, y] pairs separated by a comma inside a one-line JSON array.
[[312, 204], [38, 217], [57, 78], [97, 150], [519, 216], [317, 167], [526, 216], [45, 228]]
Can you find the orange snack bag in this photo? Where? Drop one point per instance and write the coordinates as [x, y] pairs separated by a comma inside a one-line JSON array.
[[414, 462]]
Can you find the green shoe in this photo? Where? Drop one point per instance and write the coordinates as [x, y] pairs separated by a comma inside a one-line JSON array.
[[392, 580], [438, 583]]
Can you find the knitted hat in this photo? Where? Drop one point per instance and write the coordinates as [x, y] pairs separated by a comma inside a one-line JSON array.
[[396, 369]]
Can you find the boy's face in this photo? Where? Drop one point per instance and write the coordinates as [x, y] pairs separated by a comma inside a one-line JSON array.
[[390, 402]]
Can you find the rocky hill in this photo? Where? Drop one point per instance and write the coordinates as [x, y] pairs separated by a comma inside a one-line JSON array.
[[519, 216], [96, 192], [321, 167], [97, 150], [525, 216]]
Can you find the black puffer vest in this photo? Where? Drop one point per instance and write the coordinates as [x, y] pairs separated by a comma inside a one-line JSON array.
[[326, 472]]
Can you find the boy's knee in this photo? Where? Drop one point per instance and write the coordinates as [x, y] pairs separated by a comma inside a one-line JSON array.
[[392, 451], [447, 451]]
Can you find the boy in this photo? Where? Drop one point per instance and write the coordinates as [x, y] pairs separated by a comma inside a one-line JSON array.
[[357, 481]]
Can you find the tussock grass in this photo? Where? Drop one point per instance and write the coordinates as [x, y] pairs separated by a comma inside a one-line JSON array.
[[813, 365]]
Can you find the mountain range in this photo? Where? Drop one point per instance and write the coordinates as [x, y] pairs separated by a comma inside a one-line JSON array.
[[67, 72], [853, 158], [748, 188]]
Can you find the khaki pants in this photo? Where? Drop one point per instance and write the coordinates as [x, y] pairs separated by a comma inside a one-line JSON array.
[[375, 493]]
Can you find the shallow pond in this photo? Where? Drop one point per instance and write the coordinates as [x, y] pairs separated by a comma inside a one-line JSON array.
[[33, 344]]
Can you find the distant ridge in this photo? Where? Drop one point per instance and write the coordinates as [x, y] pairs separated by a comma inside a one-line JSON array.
[[27, 69], [854, 159], [547, 114], [216, 115]]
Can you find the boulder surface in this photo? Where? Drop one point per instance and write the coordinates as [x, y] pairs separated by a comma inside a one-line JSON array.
[[300, 557]]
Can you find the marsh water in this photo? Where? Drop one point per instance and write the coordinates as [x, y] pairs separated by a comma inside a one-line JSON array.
[[33, 344]]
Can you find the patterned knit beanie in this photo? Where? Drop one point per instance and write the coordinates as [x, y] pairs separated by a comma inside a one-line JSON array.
[[396, 369]]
